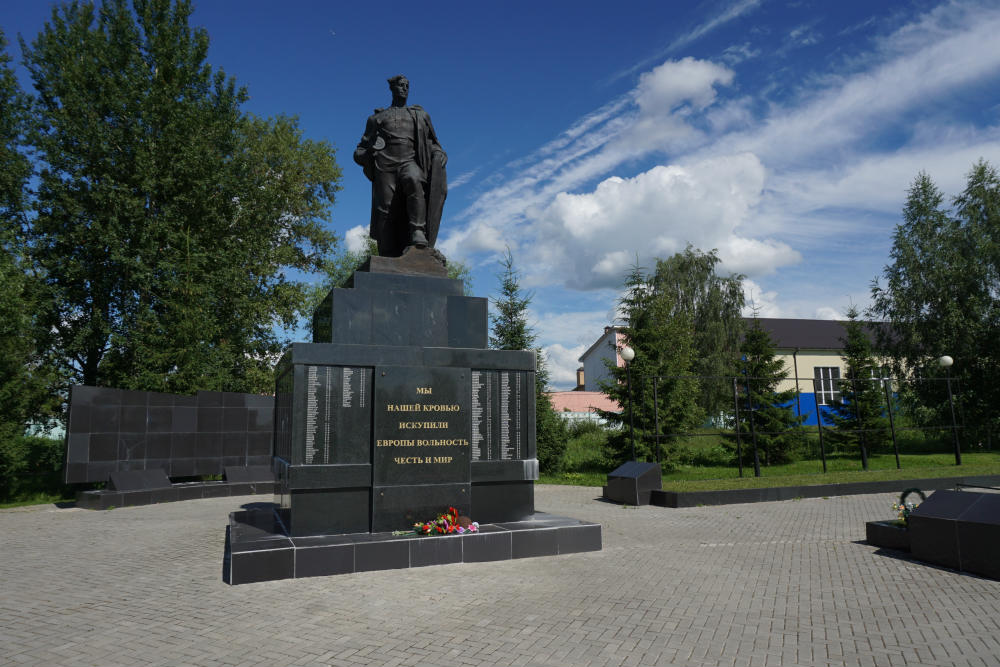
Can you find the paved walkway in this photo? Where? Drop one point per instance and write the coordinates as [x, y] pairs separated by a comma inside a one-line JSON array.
[[787, 583]]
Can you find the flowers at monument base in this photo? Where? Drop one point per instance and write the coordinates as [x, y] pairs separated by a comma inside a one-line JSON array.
[[448, 523], [903, 508]]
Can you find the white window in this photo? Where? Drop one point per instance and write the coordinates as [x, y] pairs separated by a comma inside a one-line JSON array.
[[827, 382]]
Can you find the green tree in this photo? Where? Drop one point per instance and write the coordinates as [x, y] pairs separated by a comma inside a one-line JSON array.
[[509, 330], [713, 305], [26, 393], [940, 295], [766, 415], [661, 334], [167, 219], [859, 413]]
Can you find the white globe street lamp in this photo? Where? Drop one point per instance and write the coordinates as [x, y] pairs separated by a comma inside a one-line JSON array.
[[628, 354], [945, 362]]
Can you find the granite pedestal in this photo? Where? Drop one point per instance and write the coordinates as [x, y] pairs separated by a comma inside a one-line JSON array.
[[394, 413]]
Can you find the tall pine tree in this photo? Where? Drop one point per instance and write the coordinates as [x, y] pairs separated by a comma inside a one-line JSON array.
[[510, 331]]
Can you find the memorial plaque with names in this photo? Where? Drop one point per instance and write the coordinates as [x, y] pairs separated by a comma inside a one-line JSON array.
[[337, 415], [499, 414], [422, 425], [283, 415]]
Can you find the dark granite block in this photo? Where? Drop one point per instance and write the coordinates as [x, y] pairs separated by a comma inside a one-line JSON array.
[[209, 420], [887, 535], [103, 447], [234, 420], [260, 419], [576, 539], [933, 527], [467, 322], [79, 417], [253, 566], [185, 419], [158, 445], [163, 464], [240, 488], [215, 490], [161, 419], [99, 471], [486, 546], [505, 471], [232, 399], [136, 498], [330, 512], [181, 467], [208, 466], [432, 550], [248, 474], [259, 401], [132, 419], [259, 460], [352, 318], [133, 397], [234, 444], [77, 447], [632, 482], [329, 476], [155, 398], [259, 443], [169, 495], [364, 280], [76, 473], [186, 401], [384, 555], [138, 479], [210, 399], [494, 502], [191, 491], [131, 446], [132, 465], [399, 507], [321, 561], [209, 445], [394, 316], [183, 446], [980, 548], [532, 543]]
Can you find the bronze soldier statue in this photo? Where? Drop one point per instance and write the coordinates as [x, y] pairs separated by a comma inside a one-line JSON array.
[[401, 156]]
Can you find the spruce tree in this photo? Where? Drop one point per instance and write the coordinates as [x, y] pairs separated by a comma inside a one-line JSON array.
[[766, 415], [859, 413], [510, 330]]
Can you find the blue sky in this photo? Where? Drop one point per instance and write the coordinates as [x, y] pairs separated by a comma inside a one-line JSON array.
[[585, 135]]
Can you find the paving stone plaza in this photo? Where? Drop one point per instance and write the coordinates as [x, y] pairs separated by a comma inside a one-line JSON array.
[[785, 583]]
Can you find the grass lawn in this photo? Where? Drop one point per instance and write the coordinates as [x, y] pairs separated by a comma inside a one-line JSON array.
[[585, 466]]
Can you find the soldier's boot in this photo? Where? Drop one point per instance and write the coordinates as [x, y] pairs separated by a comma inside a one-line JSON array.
[[416, 207]]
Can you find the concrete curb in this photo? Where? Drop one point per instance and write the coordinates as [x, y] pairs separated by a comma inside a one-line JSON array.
[[734, 496]]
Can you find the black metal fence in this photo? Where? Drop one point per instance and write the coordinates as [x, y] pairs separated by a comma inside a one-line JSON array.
[[835, 418]]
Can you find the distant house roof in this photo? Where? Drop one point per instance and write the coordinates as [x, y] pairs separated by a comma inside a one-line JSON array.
[[597, 342], [582, 401], [809, 334]]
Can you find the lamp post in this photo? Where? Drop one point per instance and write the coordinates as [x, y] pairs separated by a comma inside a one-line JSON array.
[[945, 362], [628, 354]]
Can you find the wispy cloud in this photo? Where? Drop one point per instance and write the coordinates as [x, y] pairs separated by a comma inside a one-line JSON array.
[[732, 12]]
